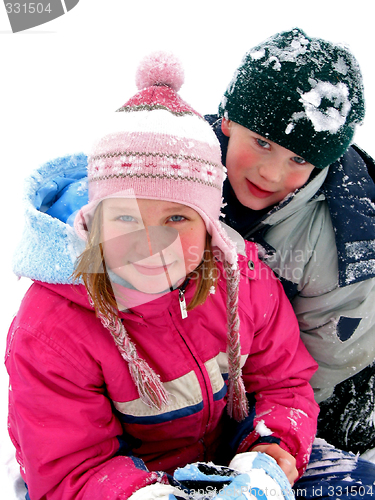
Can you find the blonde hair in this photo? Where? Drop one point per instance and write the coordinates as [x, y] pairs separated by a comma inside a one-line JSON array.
[[91, 269]]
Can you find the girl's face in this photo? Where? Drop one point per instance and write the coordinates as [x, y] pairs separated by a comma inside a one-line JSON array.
[[261, 172], [151, 244]]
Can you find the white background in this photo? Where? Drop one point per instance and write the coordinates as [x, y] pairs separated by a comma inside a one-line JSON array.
[[58, 79]]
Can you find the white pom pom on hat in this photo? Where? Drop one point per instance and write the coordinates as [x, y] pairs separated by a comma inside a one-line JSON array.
[[160, 68]]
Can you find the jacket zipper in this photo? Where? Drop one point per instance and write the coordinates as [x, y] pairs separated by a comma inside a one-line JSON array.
[[181, 300], [184, 314], [204, 388]]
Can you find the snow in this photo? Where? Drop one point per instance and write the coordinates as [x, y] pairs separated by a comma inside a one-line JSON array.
[[330, 119], [257, 54], [289, 54], [262, 429], [64, 76], [369, 455], [359, 249], [341, 66], [157, 491]]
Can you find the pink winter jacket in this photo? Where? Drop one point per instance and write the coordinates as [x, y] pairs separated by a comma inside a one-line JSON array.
[[75, 417]]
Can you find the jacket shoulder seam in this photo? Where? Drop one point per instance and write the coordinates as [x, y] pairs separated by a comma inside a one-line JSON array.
[[58, 349]]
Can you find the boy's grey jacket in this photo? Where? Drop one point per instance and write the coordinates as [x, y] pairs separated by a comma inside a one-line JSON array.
[[320, 241]]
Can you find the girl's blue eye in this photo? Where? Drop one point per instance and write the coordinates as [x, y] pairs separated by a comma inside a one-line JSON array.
[[263, 144], [126, 218], [176, 218], [299, 160]]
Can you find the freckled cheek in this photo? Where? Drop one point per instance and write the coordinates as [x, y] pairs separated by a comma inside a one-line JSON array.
[[193, 248], [242, 159], [117, 246], [108, 232], [116, 254]]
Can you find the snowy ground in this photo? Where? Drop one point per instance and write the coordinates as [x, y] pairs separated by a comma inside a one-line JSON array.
[[59, 78]]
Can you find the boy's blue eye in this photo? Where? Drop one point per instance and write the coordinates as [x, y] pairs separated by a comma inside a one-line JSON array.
[[299, 160], [263, 144]]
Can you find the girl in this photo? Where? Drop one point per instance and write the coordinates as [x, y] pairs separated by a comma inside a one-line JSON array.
[[165, 337]]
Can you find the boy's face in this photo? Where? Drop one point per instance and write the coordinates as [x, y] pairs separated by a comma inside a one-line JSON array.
[[261, 172]]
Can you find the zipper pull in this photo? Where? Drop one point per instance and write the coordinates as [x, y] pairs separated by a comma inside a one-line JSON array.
[[181, 299]]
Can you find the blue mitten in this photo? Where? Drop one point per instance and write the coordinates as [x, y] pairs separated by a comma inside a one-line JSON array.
[[204, 480], [259, 478]]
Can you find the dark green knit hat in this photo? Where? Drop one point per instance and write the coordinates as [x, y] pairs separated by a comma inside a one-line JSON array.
[[305, 94]]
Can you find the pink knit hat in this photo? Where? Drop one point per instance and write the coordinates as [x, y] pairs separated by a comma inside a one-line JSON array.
[[158, 147]]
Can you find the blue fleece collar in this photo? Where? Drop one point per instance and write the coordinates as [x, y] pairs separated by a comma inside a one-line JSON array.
[[49, 246]]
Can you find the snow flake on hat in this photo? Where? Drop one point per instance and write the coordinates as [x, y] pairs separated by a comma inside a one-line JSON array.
[[340, 66], [231, 87], [276, 55], [324, 117], [257, 54]]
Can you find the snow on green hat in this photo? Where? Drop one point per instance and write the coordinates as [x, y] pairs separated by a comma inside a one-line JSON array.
[[305, 94]]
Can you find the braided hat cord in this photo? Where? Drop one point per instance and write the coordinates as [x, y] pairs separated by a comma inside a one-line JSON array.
[[149, 386], [237, 401]]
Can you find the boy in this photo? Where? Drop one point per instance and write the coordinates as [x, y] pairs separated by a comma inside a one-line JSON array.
[[289, 113]]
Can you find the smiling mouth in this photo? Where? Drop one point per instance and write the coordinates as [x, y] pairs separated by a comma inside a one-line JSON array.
[[257, 191], [151, 270]]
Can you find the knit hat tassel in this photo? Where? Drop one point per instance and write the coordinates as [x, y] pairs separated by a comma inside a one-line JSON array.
[[149, 387], [237, 401]]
